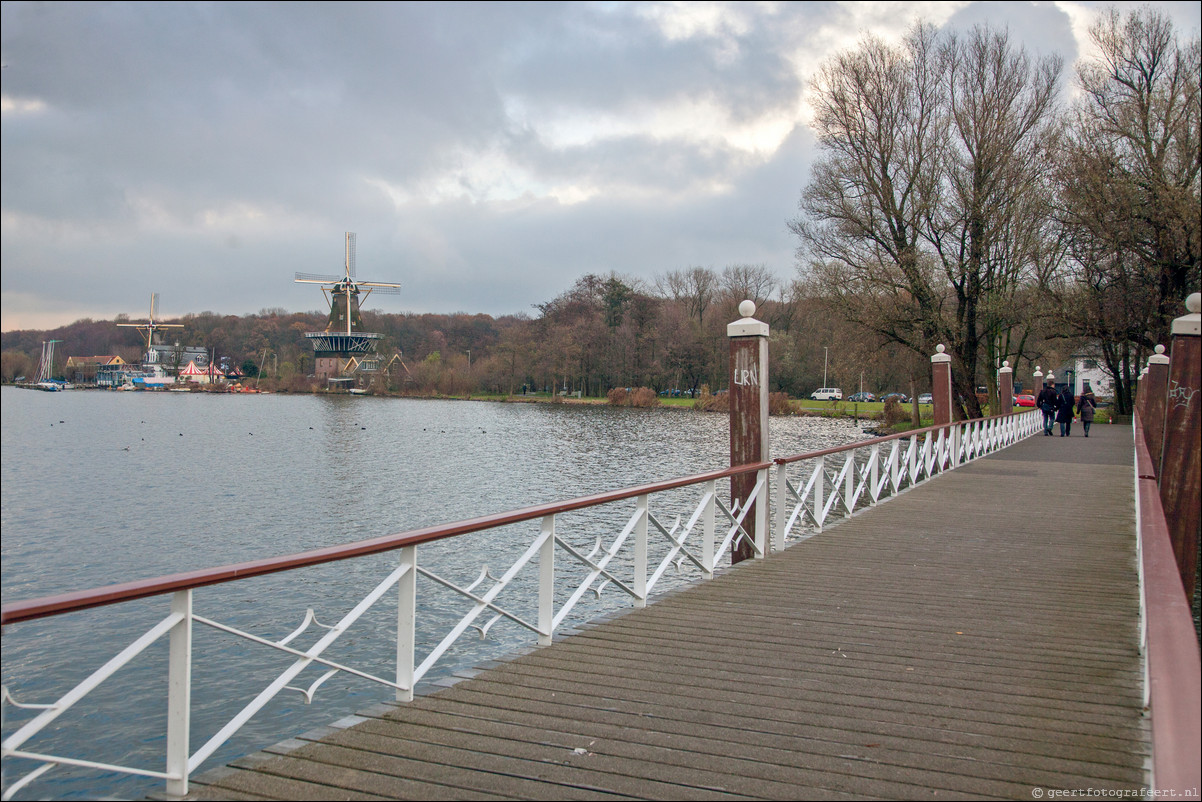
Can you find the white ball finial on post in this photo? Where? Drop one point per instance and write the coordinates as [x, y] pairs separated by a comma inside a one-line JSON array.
[[747, 326], [1158, 358], [1190, 324]]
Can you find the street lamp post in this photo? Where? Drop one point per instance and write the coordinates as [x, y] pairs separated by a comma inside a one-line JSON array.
[[825, 355]]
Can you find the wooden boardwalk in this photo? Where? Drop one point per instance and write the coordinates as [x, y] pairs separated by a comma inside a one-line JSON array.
[[973, 638]]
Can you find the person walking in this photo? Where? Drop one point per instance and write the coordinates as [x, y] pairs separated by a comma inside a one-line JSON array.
[[1047, 403], [1086, 405], [1064, 412]]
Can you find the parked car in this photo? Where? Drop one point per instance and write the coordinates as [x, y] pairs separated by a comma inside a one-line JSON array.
[[861, 397], [827, 394], [926, 398], [900, 398], [1024, 400]]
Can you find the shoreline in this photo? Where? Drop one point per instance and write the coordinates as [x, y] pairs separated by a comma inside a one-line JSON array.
[[797, 408]]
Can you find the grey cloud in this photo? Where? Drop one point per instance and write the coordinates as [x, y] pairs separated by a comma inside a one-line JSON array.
[[160, 116]]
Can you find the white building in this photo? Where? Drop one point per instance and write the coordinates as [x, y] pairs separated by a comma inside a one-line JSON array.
[[1084, 368]]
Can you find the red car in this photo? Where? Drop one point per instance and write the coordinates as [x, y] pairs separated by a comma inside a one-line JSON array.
[[1025, 400]]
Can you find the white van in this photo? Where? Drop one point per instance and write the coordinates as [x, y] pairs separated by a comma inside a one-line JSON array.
[[827, 394]]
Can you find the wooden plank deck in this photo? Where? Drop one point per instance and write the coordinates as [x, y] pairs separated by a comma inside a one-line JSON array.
[[973, 638]]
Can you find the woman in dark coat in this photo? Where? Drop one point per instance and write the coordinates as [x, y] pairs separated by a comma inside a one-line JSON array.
[[1064, 412], [1085, 407]]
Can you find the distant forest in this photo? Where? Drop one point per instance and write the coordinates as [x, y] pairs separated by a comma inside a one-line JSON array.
[[604, 332]]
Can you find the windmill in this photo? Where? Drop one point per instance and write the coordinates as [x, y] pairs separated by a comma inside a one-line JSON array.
[[151, 325], [160, 356], [343, 348], [342, 292]]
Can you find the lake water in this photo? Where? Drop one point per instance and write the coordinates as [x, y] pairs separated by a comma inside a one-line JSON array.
[[104, 487]]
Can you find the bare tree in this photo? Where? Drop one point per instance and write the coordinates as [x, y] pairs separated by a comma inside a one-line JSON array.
[[1129, 191], [748, 282], [923, 214], [989, 231], [880, 113], [694, 287]]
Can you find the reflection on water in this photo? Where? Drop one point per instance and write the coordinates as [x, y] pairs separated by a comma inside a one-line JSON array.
[[105, 487]]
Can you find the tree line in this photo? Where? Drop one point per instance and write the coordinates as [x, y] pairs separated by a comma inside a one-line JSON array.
[[603, 332], [956, 198]]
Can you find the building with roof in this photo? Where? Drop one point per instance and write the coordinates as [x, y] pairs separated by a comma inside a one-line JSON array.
[[102, 370]]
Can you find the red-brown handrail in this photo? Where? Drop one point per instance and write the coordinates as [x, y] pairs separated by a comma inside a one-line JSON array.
[[142, 588], [1174, 667]]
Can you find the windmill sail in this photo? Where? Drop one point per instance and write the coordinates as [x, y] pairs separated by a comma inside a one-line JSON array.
[[343, 292], [149, 328]]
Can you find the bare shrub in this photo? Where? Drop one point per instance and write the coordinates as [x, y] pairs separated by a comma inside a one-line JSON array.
[[638, 397], [893, 413], [644, 397], [707, 402], [779, 404]]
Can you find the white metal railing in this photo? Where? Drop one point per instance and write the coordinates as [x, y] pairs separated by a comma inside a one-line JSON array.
[[633, 561], [713, 529], [812, 488]]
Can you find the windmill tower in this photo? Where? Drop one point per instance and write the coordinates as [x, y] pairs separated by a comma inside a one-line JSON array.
[[343, 349]]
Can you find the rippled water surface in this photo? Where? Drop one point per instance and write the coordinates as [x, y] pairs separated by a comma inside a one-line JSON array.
[[105, 487]]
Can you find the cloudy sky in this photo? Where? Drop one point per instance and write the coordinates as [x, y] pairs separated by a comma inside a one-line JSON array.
[[486, 154]]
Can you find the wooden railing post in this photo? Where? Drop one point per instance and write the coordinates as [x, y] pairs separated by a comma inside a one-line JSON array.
[[1005, 389], [941, 384], [1153, 394], [748, 413], [1180, 474]]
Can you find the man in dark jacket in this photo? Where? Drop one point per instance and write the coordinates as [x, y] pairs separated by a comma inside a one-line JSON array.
[[1048, 401]]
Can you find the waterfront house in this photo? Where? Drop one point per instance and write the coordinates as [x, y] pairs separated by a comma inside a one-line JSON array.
[[93, 369]]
